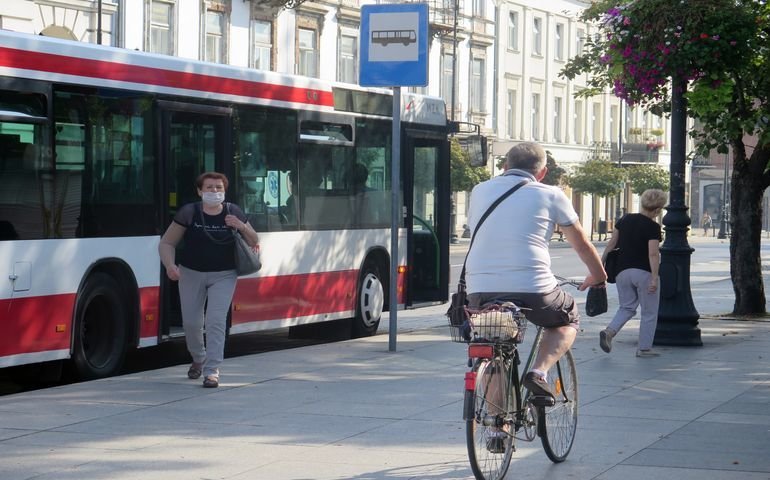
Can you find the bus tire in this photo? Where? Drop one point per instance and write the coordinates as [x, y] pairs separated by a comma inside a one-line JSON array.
[[101, 329], [370, 302]]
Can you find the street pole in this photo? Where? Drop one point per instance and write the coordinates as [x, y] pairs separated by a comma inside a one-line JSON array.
[[618, 211], [723, 208], [454, 59], [99, 23], [677, 316]]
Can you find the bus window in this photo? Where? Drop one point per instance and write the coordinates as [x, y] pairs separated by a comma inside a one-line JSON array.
[[373, 151], [104, 165], [26, 196], [266, 146]]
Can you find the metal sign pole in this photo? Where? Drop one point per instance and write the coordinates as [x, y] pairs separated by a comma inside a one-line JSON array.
[[395, 217]]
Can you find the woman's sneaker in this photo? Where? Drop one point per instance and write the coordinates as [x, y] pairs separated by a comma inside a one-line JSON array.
[[605, 339], [647, 353], [496, 441]]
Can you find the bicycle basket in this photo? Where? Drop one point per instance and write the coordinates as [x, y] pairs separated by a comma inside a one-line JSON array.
[[460, 332], [498, 323]]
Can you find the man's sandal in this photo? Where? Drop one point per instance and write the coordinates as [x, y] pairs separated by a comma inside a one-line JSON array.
[[211, 381]]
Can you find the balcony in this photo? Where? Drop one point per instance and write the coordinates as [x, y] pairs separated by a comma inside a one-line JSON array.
[[633, 153]]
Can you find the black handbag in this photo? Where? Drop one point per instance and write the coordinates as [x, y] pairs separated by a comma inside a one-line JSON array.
[[459, 318], [246, 256], [611, 264], [596, 301]]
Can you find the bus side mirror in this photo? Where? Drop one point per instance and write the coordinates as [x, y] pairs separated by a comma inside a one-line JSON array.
[[477, 150]]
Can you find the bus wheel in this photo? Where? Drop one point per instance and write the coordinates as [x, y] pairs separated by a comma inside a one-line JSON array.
[[100, 328], [371, 301]]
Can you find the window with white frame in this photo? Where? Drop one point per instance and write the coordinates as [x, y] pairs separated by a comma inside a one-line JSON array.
[[578, 122], [215, 37], [513, 30], [580, 40], [557, 118], [447, 77], [308, 52], [261, 44], [348, 59], [535, 116], [558, 46], [614, 124], [537, 36], [161, 27], [596, 122], [477, 84], [478, 8], [510, 114]]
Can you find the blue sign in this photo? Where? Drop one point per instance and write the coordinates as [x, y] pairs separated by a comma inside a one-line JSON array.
[[394, 45]]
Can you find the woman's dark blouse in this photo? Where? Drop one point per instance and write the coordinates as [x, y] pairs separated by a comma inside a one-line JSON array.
[[636, 230], [199, 252]]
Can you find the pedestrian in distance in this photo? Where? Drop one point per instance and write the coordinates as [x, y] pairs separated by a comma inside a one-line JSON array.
[[205, 270], [706, 223], [638, 237], [510, 259]]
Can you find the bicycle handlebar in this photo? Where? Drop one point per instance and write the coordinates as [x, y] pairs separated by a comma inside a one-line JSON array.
[[567, 281]]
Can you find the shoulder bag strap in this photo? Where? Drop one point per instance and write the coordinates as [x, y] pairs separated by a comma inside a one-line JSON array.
[[461, 283], [203, 224]]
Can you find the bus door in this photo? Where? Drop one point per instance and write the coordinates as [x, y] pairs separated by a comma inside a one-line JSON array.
[[193, 139], [426, 199]]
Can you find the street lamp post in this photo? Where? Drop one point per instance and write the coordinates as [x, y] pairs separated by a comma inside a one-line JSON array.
[[618, 210], [723, 208], [677, 317]]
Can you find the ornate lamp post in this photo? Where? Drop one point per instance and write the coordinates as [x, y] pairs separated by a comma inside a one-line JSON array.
[[677, 317]]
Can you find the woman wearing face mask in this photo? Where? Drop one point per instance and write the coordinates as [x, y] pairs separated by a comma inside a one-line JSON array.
[[206, 270]]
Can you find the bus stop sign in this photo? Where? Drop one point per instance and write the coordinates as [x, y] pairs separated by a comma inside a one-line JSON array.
[[394, 45]]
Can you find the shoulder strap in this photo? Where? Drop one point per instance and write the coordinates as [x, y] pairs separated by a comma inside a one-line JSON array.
[[199, 207], [494, 205]]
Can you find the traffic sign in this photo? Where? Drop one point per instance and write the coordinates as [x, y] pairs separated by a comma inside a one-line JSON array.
[[394, 45]]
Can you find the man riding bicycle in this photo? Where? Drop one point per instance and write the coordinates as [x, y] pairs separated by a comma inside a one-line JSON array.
[[510, 259]]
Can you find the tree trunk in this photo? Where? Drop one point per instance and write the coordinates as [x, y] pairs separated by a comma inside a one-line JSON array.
[[748, 184]]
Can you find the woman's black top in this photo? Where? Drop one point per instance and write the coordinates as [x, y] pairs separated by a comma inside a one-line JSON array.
[[207, 253], [636, 230]]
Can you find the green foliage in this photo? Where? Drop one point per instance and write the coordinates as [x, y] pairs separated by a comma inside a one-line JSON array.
[[463, 177], [555, 173], [645, 177], [598, 177], [718, 47]]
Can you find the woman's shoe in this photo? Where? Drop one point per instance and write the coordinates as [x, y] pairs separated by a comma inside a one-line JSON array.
[[605, 339], [211, 381], [194, 372], [647, 353]]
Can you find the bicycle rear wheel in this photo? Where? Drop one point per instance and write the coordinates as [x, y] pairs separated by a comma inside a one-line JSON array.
[[560, 421], [489, 433]]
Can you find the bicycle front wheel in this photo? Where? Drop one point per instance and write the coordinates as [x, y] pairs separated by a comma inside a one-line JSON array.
[[560, 421], [489, 433]]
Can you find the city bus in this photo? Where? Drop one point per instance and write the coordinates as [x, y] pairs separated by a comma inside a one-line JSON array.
[[100, 146]]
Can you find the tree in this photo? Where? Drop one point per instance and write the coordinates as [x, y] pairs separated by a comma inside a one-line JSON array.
[[719, 50], [646, 177], [555, 173], [463, 177], [597, 177]]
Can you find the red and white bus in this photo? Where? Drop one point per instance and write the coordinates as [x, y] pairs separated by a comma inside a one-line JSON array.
[[100, 146]]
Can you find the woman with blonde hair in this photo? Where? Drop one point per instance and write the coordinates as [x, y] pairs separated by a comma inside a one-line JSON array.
[[638, 237]]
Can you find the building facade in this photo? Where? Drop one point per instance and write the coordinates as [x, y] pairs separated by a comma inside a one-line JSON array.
[[497, 64]]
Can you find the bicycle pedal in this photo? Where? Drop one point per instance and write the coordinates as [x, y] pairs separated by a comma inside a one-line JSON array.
[[542, 400]]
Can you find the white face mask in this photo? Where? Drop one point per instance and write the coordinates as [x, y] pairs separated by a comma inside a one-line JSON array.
[[213, 198]]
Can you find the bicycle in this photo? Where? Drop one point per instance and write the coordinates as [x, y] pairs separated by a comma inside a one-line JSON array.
[[497, 408]]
